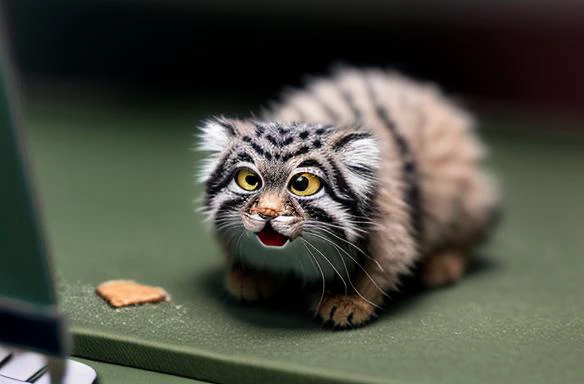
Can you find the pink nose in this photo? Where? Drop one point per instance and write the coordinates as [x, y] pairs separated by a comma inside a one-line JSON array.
[[265, 211], [269, 204]]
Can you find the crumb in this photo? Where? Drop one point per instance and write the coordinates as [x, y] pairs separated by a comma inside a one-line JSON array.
[[122, 293]]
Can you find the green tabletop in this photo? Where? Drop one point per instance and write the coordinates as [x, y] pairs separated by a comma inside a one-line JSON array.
[[117, 185]]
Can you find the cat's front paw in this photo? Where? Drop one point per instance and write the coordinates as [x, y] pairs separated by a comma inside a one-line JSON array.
[[345, 311], [250, 286]]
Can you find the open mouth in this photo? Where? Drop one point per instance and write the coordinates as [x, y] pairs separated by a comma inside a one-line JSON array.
[[268, 236]]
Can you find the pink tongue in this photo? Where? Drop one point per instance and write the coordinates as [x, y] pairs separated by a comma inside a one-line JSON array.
[[272, 238]]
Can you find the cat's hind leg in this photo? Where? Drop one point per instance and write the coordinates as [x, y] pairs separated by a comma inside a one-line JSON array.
[[479, 211], [443, 267]]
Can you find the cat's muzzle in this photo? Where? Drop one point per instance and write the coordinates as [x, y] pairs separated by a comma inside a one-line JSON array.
[[273, 231], [272, 238]]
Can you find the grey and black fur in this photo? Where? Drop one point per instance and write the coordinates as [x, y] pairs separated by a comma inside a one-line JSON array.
[[401, 183]]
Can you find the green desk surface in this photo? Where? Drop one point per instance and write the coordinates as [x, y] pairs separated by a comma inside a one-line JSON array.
[[118, 191]]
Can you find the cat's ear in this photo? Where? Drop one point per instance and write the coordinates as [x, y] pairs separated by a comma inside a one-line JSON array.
[[216, 134], [358, 149], [214, 138], [360, 153]]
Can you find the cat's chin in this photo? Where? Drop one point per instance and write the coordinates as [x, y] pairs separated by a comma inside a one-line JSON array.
[[269, 237]]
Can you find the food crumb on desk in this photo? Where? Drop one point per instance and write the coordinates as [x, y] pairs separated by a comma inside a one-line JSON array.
[[123, 293]]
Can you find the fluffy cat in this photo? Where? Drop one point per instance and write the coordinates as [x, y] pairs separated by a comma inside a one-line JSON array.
[[347, 185]]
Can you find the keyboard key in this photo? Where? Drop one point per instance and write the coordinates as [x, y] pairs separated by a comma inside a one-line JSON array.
[[7, 380], [76, 373], [23, 365]]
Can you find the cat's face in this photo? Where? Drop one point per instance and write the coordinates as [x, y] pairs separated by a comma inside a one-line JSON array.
[[284, 183]]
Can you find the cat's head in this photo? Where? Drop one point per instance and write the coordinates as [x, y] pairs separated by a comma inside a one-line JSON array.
[[285, 181]]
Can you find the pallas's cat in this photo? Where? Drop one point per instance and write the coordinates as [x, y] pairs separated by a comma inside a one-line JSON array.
[[343, 188]]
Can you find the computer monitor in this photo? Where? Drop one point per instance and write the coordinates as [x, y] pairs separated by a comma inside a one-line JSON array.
[[30, 321]]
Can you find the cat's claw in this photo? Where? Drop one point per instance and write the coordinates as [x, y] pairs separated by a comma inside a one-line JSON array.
[[345, 311], [249, 286]]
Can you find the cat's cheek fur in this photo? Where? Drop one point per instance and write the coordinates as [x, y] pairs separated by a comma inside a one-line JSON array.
[[252, 223], [289, 226]]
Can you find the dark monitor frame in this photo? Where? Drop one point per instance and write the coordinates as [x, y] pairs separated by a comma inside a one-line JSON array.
[[29, 317]]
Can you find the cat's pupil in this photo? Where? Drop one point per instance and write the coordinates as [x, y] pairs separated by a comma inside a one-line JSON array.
[[301, 183], [251, 180]]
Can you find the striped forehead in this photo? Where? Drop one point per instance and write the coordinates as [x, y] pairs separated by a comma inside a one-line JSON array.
[[279, 143]]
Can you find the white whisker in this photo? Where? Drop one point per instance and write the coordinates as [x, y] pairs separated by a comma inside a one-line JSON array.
[[355, 261], [237, 245], [351, 281], [354, 246], [321, 275], [332, 265], [321, 223]]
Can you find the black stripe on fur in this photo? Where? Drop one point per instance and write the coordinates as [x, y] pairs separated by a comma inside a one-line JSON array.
[[228, 127], [222, 175], [409, 168], [346, 139], [227, 206], [317, 213], [357, 115], [301, 151], [332, 115]]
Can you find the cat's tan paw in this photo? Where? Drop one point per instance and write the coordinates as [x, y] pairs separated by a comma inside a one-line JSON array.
[[443, 268], [249, 286], [346, 310]]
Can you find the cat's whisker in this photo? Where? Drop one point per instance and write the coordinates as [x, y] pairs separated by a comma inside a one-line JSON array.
[[317, 224], [226, 227], [320, 228], [355, 261], [338, 247], [224, 218], [322, 279], [366, 221], [340, 226], [361, 219], [237, 247], [312, 262], [226, 223], [230, 228], [331, 264], [356, 247], [351, 281], [232, 236], [303, 274]]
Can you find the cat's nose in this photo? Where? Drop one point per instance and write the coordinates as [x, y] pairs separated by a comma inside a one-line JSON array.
[[267, 214], [268, 206]]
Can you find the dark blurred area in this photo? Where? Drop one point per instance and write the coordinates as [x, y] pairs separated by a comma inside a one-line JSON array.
[[526, 53]]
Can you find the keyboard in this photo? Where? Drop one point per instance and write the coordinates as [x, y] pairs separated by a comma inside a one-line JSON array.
[[30, 367]]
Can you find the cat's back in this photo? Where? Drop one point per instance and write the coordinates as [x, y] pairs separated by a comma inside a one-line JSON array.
[[431, 154], [384, 102]]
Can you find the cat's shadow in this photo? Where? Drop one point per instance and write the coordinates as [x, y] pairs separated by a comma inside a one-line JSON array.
[[290, 311]]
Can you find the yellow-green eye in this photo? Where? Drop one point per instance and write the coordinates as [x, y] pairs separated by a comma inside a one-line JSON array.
[[305, 184], [248, 179]]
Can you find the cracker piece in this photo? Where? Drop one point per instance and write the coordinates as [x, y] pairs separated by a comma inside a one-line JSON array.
[[123, 293]]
